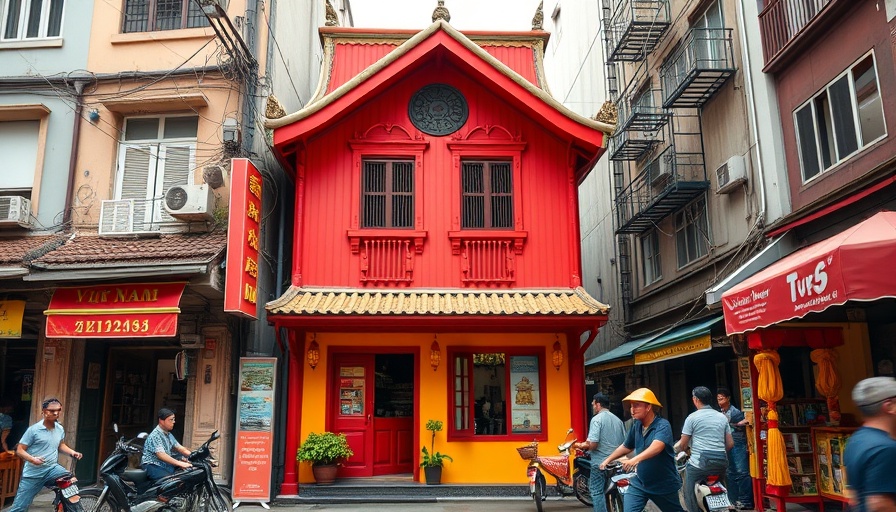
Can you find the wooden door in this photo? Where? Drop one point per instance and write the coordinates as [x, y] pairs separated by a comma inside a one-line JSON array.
[[352, 410], [91, 413]]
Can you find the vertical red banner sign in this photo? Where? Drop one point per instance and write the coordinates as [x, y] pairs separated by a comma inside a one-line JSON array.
[[253, 460], [243, 239]]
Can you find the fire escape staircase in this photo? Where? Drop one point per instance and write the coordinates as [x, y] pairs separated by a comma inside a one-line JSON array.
[[698, 68], [640, 127], [635, 28]]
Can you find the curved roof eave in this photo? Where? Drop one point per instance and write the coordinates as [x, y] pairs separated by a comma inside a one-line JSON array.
[[407, 46]]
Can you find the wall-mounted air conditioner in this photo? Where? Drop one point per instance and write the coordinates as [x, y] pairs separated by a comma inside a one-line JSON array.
[[15, 211], [190, 202], [731, 174], [191, 341]]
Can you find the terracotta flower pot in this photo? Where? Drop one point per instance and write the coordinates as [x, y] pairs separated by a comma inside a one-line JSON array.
[[433, 475], [324, 474]]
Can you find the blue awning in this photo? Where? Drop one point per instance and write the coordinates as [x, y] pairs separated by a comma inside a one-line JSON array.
[[622, 354], [677, 342]]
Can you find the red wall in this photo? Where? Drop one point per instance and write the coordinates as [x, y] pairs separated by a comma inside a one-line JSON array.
[[550, 257], [860, 30]]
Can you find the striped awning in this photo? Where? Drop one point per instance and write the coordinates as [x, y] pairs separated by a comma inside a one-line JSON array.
[[350, 302]]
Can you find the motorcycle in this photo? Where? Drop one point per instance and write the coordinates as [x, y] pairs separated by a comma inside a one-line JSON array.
[[711, 494], [557, 466], [616, 482], [66, 495], [130, 490]]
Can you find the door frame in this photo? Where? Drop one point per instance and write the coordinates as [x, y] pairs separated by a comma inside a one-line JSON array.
[[332, 389]]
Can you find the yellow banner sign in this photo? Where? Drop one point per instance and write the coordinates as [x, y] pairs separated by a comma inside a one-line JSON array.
[[11, 314], [701, 344]]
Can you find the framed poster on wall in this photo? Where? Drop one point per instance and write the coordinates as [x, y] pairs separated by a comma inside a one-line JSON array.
[[525, 408], [254, 430]]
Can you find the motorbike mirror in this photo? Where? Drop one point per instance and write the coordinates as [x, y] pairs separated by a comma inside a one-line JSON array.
[[215, 435], [115, 427], [142, 435], [570, 431]]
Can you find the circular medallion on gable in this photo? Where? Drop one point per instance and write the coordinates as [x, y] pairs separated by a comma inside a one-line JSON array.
[[438, 109]]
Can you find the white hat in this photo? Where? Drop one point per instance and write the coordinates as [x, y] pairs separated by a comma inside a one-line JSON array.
[[873, 390]]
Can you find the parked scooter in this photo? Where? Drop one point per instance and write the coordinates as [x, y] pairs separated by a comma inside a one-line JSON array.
[[616, 485], [557, 466], [130, 490], [66, 495], [711, 495]]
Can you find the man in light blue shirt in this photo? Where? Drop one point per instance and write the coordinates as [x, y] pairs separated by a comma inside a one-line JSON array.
[[605, 434], [707, 433], [161, 451], [39, 448]]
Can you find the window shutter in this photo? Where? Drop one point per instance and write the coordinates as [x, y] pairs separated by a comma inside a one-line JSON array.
[[136, 168], [175, 164], [463, 392]]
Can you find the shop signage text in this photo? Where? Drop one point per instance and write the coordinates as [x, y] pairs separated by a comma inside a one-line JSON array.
[[11, 314], [700, 344], [109, 311], [243, 239]]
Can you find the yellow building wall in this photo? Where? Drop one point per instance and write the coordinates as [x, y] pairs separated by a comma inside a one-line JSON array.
[[475, 462]]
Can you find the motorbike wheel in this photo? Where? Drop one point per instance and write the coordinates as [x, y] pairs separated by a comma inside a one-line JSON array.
[[211, 503], [90, 501], [583, 491], [541, 489], [614, 503]]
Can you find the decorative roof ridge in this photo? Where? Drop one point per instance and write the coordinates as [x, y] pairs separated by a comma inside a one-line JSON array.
[[319, 103]]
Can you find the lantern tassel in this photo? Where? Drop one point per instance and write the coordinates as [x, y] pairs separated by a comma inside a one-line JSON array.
[[778, 474]]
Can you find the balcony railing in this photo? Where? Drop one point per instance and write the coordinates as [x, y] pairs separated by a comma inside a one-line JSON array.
[[665, 185], [636, 28], [698, 68], [487, 261], [632, 145], [783, 20]]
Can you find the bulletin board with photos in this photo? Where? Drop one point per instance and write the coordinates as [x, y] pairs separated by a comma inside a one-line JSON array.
[[351, 391]]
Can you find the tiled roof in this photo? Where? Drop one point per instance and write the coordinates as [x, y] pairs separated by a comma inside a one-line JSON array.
[[13, 250], [542, 302], [170, 249]]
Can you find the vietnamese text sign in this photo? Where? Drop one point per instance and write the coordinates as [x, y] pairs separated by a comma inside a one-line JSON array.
[[11, 314], [243, 239], [130, 310], [254, 435]]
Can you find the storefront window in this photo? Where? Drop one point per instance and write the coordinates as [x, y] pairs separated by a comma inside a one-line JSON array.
[[496, 394]]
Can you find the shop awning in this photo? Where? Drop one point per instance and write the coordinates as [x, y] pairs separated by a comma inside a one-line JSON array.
[[774, 251], [855, 264], [678, 342], [132, 310], [619, 356]]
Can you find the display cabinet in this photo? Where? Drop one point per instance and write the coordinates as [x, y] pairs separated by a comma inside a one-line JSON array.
[[830, 444]]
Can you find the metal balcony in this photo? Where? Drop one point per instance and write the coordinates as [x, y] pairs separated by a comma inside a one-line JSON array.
[[786, 26], [636, 28], [640, 126], [698, 68], [632, 145], [666, 185]]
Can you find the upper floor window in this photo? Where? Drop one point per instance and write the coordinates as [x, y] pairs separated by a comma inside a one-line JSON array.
[[387, 194], [155, 154], [152, 15], [31, 19], [692, 232], [650, 257], [20, 143], [487, 188], [846, 116]]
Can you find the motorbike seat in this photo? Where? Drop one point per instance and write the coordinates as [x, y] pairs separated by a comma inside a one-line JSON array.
[[138, 476]]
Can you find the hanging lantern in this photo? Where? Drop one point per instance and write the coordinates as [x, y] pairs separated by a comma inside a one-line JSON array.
[[435, 354], [557, 355], [313, 353]]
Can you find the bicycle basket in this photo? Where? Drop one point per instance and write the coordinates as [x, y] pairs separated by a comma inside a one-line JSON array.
[[528, 452]]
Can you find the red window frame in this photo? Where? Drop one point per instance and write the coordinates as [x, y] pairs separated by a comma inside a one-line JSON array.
[[457, 405]]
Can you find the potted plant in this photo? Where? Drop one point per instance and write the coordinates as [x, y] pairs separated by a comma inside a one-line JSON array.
[[324, 451], [432, 462]]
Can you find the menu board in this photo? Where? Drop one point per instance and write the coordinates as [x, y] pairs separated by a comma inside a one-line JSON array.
[[525, 408], [351, 390]]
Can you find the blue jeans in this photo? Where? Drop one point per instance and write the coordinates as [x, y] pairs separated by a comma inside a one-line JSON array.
[[740, 484], [635, 500], [29, 486], [596, 485], [693, 475], [156, 472]]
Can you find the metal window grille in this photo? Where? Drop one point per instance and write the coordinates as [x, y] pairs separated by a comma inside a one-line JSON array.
[[487, 261], [487, 201], [152, 15], [387, 194]]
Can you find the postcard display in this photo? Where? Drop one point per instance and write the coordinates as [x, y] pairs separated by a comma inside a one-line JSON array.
[[351, 391], [829, 446], [254, 434]]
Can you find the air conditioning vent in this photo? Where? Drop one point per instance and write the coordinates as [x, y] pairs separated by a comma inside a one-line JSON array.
[[190, 202], [731, 174], [15, 211], [659, 172], [191, 341]]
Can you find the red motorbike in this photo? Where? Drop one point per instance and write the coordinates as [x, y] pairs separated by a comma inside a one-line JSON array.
[[569, 481]]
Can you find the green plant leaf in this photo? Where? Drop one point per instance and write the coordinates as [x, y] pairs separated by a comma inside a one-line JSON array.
[[324, 449]]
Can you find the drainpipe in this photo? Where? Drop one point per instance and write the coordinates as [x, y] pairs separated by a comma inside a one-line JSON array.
[[751, 106], [73, 155]]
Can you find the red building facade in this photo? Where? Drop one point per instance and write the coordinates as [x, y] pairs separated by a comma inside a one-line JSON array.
[[436, 269]]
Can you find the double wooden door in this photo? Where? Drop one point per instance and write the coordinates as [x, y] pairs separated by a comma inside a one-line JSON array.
[[382, 445]]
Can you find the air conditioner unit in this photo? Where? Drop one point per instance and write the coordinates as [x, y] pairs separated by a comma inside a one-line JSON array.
[[659, 173], [191, 341], [731, 174], [190, 202], [15, 211]]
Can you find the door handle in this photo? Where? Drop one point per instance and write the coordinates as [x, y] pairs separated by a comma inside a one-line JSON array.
[[368, 420]]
